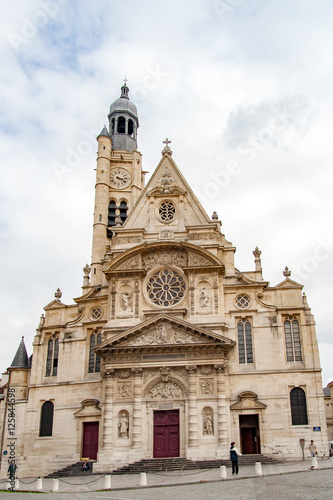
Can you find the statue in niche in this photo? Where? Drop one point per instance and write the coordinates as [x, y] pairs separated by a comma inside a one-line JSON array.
[[123, 426], [126, 302], [208, 424], [203, 298]]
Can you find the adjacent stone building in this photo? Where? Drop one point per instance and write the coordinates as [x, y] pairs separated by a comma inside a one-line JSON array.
[[170, 351]]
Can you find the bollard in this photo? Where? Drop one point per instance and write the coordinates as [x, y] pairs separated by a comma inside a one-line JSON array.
[[107, 482], [55, 486], [258, 469], [8, 485], [314, 463], [143, 479], [223, 472], [17, 484], [39, 485]]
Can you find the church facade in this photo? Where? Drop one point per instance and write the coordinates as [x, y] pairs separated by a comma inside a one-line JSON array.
[[170, 351]]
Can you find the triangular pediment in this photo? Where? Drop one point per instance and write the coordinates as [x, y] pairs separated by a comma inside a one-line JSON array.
[[248, 401], [167, 183], [55, 304], [288, 283], [164, 331]]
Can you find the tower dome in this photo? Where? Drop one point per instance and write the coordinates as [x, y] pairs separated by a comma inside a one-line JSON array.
[[124, 122]]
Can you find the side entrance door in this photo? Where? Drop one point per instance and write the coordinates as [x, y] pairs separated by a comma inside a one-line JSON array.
[[90, 440], [166, 433], [249, 431]]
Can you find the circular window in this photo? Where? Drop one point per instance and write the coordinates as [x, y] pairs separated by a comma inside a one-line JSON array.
[[167, 211], [242, 301], [166, 288], [96, 313]]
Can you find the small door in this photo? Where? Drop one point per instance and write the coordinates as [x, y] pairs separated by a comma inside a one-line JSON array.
[[166, 433], [90, 440], [249, 434]]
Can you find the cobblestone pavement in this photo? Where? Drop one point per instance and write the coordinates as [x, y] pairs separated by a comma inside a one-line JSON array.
[[284, 481]]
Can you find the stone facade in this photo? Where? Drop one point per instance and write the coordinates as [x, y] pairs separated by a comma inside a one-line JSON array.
[[170, 350]]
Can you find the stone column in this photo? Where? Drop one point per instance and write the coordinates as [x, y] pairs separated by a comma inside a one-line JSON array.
[[222, 428], [108, 408], [137, 409], [193, 441]]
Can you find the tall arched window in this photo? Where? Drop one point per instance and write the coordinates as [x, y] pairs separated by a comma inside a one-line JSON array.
[[123, 211], [112, 213], [130, 127], [245, 351], [293, 339], [121, 125], [46, 419], [52, 357], [299, 415], [94, 359]]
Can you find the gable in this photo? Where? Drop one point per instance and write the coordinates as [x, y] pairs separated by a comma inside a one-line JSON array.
[[167, 202], [288, 283]]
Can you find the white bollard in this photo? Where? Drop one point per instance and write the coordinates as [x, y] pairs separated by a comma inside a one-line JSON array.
[[258, 469], [143, 479], [223, 472], [314, 463], [8, 485], [107, 482], [55, 486], [39, 485], [17, 484]]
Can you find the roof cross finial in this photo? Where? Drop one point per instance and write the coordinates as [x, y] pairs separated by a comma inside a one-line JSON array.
[[166, 149], [125, 81]]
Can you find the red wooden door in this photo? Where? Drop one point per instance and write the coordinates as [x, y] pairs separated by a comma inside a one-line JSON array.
[[90, 440], [166, 433]]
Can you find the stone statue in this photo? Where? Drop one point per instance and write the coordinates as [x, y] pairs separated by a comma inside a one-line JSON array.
[[126, 301], [123, 426], [208, 424], [203, 297]]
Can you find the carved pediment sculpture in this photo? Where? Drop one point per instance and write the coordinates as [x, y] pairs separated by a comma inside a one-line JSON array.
[[165, 390], [164, 333], [166, 185], [164, 257]]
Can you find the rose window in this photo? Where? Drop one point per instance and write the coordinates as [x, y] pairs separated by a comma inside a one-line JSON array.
[[166, 288], [96, 313], [242, 301], [167, 211]]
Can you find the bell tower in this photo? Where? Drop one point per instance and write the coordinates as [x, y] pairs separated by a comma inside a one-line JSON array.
[[119, 177]]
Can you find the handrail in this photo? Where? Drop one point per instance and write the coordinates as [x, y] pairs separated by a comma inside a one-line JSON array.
[[274, 449]]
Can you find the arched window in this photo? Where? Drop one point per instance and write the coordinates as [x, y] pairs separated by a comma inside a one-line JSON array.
[[46, 419], [130, 128], [245, 352], [123, 211], [293, 340], [112, 126], [114, 210], [94, 359], [121, 125], [299, 415], [52, 357]]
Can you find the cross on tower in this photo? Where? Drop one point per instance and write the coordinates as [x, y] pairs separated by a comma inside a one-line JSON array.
[[167, 142], [125, 81]]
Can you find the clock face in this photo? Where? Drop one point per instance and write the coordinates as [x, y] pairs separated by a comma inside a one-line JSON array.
[[119, 178]]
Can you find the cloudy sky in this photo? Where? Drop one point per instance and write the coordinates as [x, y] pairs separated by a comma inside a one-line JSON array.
[[243, 88]]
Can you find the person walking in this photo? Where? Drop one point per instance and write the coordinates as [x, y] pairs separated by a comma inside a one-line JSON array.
[[312, 449], [234, 454]]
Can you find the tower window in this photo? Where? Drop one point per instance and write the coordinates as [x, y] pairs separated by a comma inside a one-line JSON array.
[[121, 125], [46, 419], [112, 126], [123, 211], [293, 340], [52, 357], [94, 359], [299, 415], [114, 210], [245, 351], [130, 127]]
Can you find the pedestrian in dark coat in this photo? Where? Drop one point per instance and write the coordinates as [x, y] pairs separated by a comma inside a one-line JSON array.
[[234, 454]]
